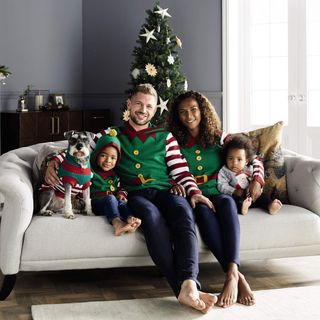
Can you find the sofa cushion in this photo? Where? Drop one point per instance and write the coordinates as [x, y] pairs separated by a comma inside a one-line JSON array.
[[280, 230], [266, 236], [82, 237], [262, 236], [267, 144]]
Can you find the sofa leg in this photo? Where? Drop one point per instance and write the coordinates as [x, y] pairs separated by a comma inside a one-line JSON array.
[[8, 283]]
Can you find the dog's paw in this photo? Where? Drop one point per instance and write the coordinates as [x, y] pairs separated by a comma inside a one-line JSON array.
[[47, 213], [89, 213], [69, 215]]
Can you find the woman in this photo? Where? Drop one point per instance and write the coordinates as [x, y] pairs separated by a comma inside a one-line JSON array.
[[196, 125]]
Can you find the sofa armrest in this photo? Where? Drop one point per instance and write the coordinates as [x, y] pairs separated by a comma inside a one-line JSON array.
[[15, 219], [303, 181]]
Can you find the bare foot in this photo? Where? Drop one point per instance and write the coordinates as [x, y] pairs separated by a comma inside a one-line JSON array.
[[120, 227], [245, 205], [134, 223], [191, 297], [245, 295], [209, 299], [275, 206], [229, 292]]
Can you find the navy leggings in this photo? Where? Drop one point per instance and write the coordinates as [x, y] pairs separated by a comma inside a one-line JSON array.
[[262, 202], [111, 208], [220, 230], [169, 230]]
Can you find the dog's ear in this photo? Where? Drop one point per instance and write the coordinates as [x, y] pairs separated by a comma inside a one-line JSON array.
[[68, 134], [90, 135]]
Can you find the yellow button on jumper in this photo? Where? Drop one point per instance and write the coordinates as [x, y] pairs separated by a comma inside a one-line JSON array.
[[198, 158], [135, 152], [137, 165], [110, 181], [199, 168], [112, 188], [197, 151]]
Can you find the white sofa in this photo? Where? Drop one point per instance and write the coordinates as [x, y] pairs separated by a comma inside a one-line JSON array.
[[35, 243]]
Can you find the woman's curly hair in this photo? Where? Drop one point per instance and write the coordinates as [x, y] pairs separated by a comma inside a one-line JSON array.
[[210, 124]]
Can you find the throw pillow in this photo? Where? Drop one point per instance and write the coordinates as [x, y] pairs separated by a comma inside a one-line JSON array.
[[267, 144]]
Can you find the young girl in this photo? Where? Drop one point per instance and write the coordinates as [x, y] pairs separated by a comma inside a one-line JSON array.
[[107, 198], [237, 173]]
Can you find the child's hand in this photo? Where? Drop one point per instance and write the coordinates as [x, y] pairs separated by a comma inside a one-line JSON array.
[[122, 197], [178, 190]]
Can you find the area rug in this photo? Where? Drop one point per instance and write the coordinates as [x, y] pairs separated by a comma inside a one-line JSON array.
[[278, 304]]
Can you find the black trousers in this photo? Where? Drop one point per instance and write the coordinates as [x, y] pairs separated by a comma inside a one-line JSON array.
[[262, 202]]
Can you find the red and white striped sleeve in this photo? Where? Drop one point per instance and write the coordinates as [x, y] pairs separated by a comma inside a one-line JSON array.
[[178, 167], [93, 141], [258, 171], [59, 157]]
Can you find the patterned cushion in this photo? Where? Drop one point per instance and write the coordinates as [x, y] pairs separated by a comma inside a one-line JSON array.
[[267, 143]]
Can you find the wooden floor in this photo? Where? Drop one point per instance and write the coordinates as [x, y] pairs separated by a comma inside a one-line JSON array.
[[131, 283]]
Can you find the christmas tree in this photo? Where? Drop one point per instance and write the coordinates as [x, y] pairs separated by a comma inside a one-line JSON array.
[[156, 60]]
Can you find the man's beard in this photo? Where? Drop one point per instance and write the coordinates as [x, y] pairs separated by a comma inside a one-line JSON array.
[[138, 122]]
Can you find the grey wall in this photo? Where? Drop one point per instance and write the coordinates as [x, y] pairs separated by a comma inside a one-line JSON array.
[[41, 43], [83, 47], [110, 30]]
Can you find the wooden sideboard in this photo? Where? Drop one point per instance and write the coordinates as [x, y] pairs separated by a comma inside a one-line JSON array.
[[20, 129]]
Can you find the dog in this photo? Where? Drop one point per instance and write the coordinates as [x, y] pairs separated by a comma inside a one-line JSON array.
[[72, 195]]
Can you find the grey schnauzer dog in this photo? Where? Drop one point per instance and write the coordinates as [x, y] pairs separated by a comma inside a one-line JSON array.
[[74, 179]]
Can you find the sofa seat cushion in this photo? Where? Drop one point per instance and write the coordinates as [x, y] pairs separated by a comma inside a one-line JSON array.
[[292, 229], [262, 236], [264, 233], [95, 239]]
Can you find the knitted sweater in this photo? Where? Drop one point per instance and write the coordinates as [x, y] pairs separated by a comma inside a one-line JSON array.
[[229, 181], [151, 158], [70, 172], [205, 163], [105, 183]]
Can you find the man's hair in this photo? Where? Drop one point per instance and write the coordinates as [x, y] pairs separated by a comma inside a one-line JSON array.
[[146, 88], [238, 141]]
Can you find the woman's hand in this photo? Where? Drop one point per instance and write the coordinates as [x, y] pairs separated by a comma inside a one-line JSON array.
[[51, 177], [199, 198], [178, 190], [254, 190]]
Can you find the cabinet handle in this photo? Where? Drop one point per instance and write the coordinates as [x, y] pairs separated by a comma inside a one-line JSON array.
[[58, 124], [52, 125], [97, 117]]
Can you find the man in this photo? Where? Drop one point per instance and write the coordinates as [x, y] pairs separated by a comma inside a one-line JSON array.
[[150, 165]]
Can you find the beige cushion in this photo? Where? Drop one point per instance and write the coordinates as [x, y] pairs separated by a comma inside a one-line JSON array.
[[267, 144]]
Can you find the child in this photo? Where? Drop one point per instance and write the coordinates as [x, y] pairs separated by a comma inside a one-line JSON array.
[[107, 198], [235, 176]]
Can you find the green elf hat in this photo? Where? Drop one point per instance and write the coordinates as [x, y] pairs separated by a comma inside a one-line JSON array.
[[109, 139]]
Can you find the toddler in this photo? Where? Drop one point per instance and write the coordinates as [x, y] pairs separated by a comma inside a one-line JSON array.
[[235, 176]]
